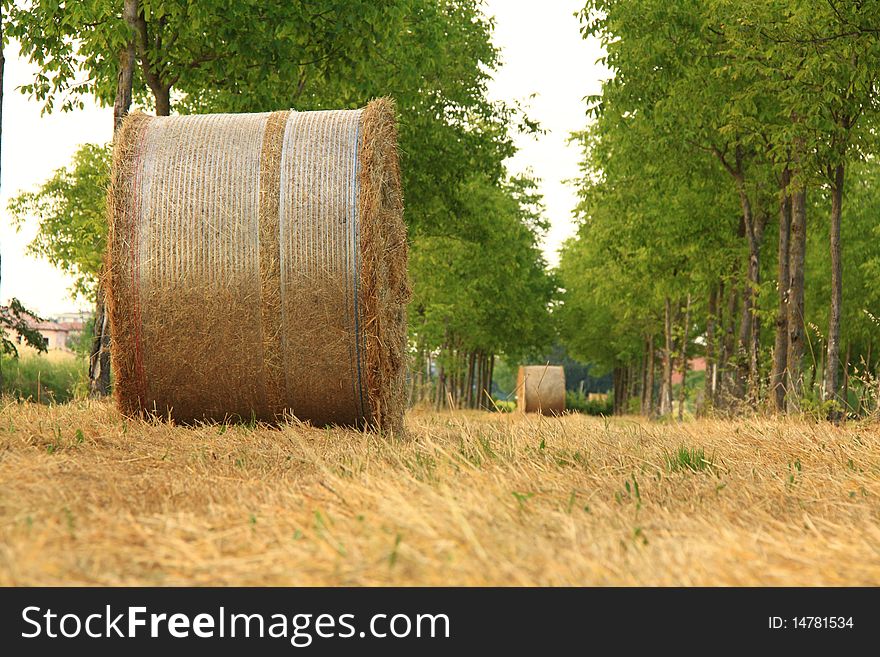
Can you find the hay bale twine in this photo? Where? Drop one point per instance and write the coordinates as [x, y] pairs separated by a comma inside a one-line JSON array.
[[540, 389], [257, 267]]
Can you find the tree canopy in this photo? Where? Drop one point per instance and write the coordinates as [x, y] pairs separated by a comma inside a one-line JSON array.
[[435, 59], [720, 117]]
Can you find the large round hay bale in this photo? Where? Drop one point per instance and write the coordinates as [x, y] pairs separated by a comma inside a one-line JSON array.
[[540, 389], [257, 267]]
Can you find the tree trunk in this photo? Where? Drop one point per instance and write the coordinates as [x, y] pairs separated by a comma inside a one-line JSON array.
[[845, 396], [666, 384], [469, 386], [755, 242], [745, 321], [863, 394], [643, 377], [729, 343], [122, 102], [620, 389], [137, 24], [682, 391], [780, 345], [441, 388], [833, 361], [633, 388], [797, 251], [711, 318], [162, 96], [491, 368], [478, 378], [99, 357], [649, 383]]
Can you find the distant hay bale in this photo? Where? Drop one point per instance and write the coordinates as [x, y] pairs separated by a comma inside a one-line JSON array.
[[257, 267], [541, 389]]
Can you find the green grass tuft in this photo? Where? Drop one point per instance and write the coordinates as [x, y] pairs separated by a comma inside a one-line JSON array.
[[688, 459]]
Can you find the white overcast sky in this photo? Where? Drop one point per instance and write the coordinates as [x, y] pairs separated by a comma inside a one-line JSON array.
[[542, 52]]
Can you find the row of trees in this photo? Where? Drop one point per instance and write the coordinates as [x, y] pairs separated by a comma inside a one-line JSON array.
[[476, 268], [730, 188]]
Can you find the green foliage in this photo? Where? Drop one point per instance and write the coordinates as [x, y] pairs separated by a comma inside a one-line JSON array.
[[486, 289], [43, 379], [70, 211], [709, 102], [16, 318], [504, 405], [434, 58], [577, 401], [480, 280], [505, 377]]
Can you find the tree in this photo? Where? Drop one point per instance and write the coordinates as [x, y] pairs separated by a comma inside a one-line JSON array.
[[820, 58], [435, 58], [72, 222], [781, 96], [483, 293]]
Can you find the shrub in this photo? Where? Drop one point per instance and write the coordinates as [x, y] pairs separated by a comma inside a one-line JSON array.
[[577, 401], [44, 378], [505, 405]]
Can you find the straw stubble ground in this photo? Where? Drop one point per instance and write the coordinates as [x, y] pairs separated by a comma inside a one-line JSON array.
[[87, 497]]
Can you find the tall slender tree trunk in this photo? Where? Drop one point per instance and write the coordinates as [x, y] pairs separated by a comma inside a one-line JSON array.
[[478, 379], [780, 344], [796, 254], [745, 322], [757, 238], [615, 385], [633, 388], [845, 396], [743, 339], [491, 373], [649, 383], [833, 362], [666, 383], [469, 386], [711, 319], [682, 391], [643, 378], [418, 377], [729, 342], [99, 357]]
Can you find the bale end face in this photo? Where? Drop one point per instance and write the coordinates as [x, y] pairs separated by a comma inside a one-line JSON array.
[[540, 389], [385, 285]]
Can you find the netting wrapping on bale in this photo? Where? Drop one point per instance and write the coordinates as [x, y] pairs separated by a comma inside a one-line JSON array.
[[540, 389], [257, 267]]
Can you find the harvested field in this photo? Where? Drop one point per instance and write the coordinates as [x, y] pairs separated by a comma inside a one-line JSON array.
[[88, 497]]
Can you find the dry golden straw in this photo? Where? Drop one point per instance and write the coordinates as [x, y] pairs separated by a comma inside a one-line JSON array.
[[469, 498], [540, 389], [257, 267]]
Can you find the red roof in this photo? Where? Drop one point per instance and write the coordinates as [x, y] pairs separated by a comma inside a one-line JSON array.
[[47, 324]]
